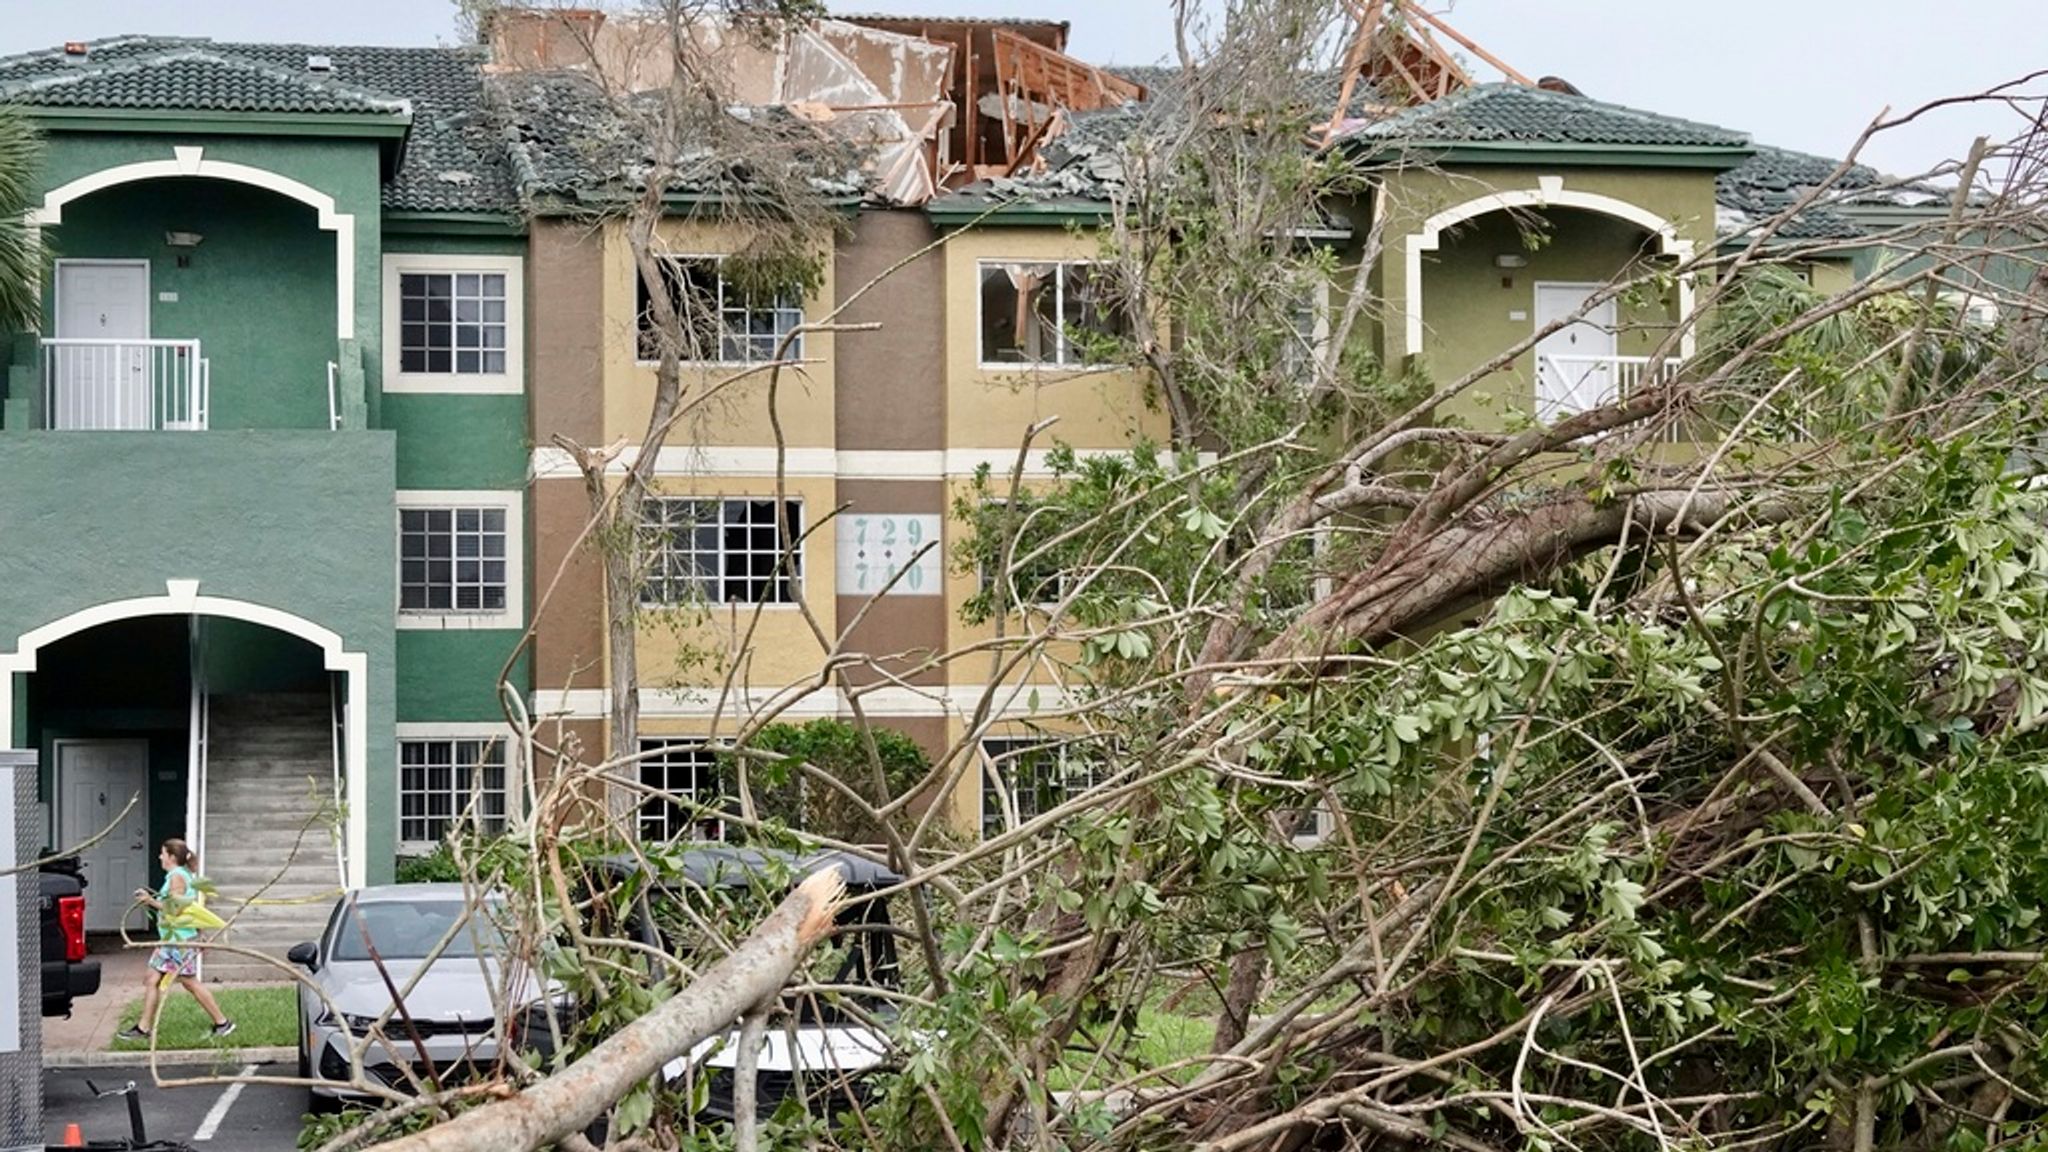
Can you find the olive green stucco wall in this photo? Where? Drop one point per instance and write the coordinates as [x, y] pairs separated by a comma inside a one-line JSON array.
[[296, 521], [1464, 304]]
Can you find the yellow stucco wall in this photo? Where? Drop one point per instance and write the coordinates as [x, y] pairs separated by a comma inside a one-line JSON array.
[[695, 646], [737, 414], [989, 408]]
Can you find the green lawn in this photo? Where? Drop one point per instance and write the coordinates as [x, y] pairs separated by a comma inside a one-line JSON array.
[[264, 1018], [1163, 1038]]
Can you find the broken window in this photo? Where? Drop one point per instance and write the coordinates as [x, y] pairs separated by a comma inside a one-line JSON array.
[[722, 551], [1047, 314], [719, 321]]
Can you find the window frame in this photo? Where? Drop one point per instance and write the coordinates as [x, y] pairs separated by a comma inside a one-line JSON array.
[[1059, 363], [511, 381], [1009, 745], [1061, 579], [657, 751], [513, 503], [797, 558], [718, 259], [453, 734]]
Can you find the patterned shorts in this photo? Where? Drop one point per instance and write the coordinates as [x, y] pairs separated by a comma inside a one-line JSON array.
[[173, 961]]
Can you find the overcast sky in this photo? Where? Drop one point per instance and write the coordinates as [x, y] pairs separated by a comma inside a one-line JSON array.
[[1806, 74]]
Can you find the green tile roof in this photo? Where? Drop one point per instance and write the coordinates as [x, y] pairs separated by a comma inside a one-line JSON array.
[[196, 79], [1515, 114], [569, 145], [453, 158], [1774, 179]]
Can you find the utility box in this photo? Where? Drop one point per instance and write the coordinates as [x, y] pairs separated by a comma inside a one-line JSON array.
[[21, 962]]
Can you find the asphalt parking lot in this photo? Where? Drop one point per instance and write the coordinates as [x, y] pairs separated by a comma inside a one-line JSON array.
[[219, 1117]]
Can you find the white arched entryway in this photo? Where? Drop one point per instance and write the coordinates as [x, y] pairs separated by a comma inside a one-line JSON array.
[[182, 598], [191, 161], [1549, 192]]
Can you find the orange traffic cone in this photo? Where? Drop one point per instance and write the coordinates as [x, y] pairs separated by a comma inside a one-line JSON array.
[[73, 1138]]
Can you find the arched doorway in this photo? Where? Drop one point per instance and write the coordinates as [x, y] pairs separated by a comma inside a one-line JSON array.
[[290, 689]]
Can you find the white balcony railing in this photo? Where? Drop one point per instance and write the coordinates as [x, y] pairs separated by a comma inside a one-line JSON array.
[[123, 385], [1566, 385]]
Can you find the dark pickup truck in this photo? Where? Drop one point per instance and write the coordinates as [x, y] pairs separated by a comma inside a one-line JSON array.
[[67, 974]]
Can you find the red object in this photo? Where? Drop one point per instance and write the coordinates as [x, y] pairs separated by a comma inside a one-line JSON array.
[[73, 1138], [71, 920]]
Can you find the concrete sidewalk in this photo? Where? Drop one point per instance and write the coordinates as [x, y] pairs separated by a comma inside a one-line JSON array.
[[95, 1018]]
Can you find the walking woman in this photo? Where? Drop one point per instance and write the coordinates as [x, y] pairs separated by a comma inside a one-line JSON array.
[[174, 958]]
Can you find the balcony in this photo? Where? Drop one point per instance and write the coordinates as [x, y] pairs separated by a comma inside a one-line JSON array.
[[124, 385]]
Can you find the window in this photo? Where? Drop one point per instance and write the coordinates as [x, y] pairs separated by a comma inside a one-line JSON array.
[[721, 321], [452, 560], [682, 798], [1309, 319], [722, 551], [1045, 313], [1036, 579], [451, 322], [461, 562], [443, 784], [1024, 778]]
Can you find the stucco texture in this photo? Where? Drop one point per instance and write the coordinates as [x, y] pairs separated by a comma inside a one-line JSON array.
[[296, 521]]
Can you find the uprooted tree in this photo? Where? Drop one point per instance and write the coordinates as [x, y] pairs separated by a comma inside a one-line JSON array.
[[1668, 774]]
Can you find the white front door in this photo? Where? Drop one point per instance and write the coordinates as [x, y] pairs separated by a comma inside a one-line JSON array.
[[1574, 365], [102, 384], [95, 778]]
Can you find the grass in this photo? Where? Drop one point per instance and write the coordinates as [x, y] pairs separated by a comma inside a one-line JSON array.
[[264, 1018], [1163, 1038]]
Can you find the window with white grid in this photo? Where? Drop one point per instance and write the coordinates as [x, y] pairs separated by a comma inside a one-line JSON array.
[[721, 551], [721, 322], [452, 323], [445, 784], [453, 560], [1025, 777], [682, 797]]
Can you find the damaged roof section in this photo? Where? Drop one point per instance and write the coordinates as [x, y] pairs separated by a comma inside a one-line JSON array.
[[573, 147], [923, 102], [1773, 180]]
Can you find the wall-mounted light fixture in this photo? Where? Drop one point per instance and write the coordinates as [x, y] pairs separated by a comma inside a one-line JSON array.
[[183, 243], [1511, 260]]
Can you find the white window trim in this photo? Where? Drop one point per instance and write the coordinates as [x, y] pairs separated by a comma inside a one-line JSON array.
[[798, 554], [456, 730], [512, 380], [1060, 287], [802, 311], [513, 501]]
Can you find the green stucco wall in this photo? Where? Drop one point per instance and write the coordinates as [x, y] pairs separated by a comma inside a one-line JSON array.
[[461, 443], [258, 293], [297, 521], [348, 170]]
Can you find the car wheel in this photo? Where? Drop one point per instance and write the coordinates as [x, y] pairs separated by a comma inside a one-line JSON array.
[[320, 1104]]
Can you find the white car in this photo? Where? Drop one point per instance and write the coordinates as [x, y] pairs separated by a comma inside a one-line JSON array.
[[385, 933], [828, 1051]]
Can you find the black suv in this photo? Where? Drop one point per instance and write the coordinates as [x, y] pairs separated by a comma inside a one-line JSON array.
[[67, 974]]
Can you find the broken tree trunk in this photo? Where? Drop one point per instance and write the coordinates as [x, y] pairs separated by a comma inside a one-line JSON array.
[[567, 1102]]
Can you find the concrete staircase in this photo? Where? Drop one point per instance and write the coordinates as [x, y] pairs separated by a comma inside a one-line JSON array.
[[270, 826]]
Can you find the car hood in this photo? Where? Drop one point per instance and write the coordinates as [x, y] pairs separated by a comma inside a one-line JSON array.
[[452, 989]]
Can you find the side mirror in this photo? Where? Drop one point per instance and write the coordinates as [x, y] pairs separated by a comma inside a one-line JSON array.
[[306, 956]]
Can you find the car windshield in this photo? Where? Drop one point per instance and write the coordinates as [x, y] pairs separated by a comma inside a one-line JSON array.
[[409, 930]]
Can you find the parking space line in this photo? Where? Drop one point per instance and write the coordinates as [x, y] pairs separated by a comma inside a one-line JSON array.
[[219, 1111]]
